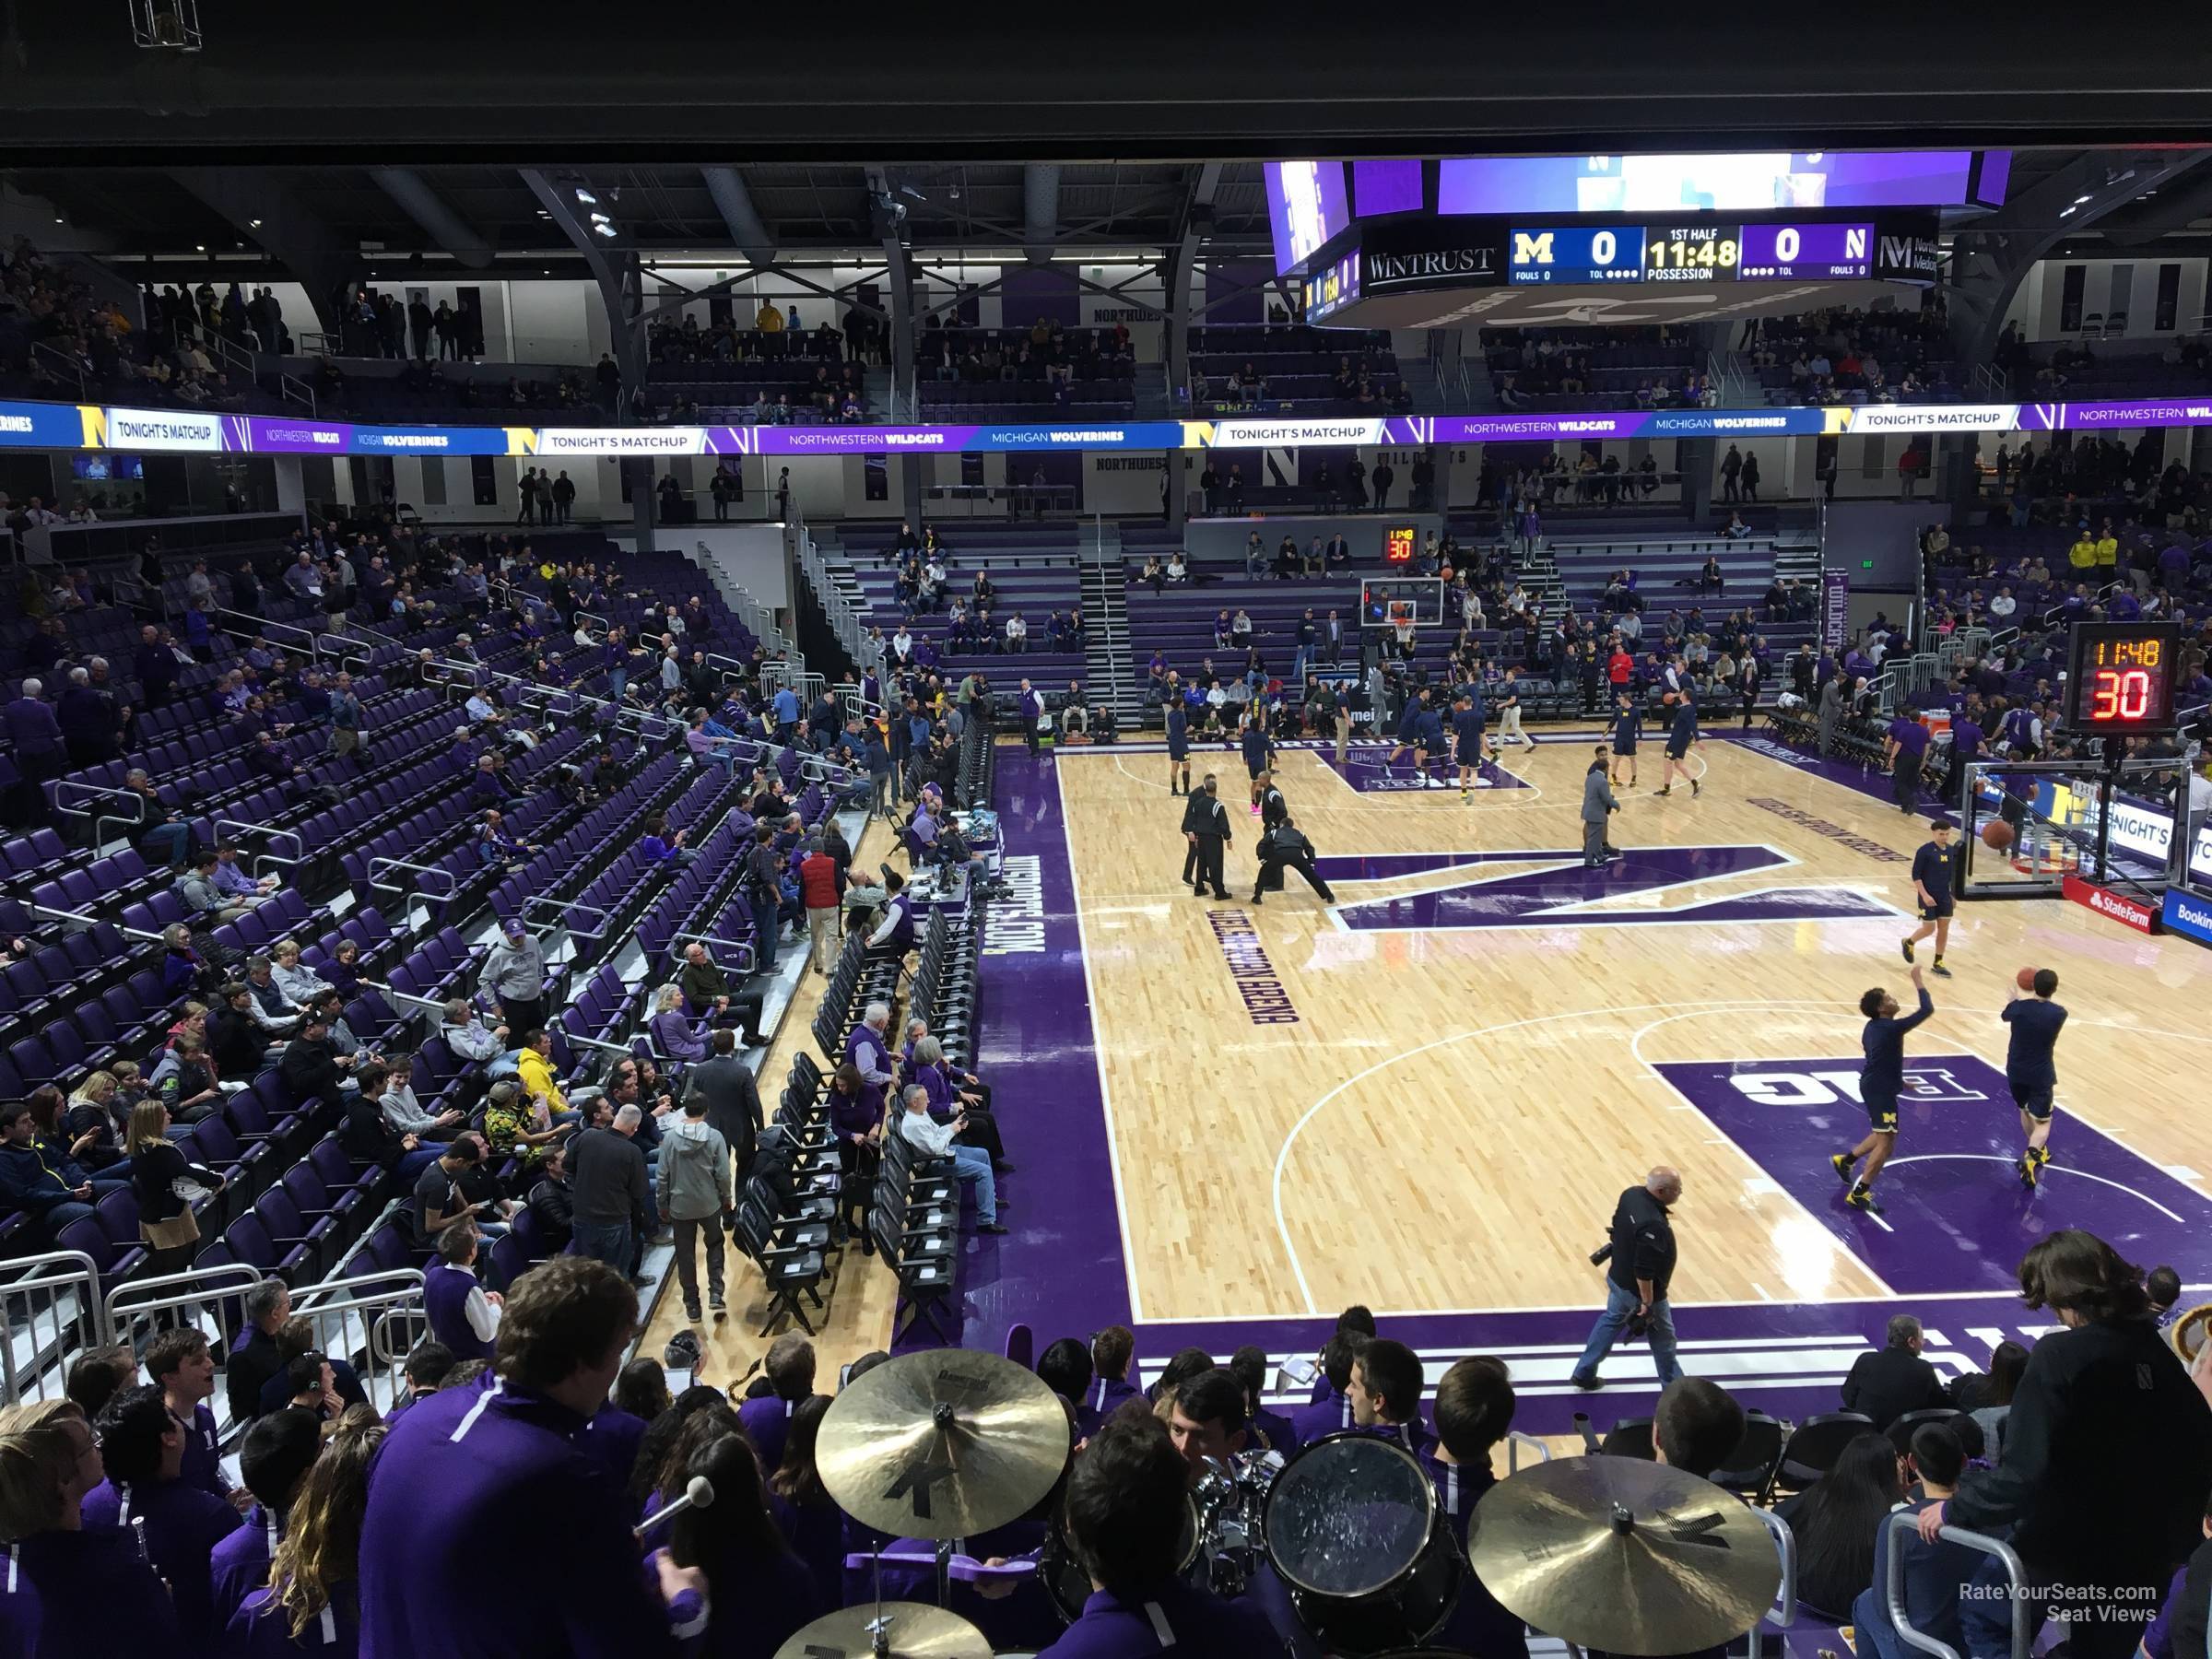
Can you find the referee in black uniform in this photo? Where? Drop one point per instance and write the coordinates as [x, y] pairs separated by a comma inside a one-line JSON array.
[[1205, 828]]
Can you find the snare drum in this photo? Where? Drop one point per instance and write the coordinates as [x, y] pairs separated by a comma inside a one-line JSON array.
[[1067, 1581], [1352, 1527]]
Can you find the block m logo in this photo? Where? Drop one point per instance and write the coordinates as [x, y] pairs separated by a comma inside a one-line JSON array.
[[1532, 249]]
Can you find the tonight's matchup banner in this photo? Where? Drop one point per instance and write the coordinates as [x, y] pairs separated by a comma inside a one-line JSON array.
[[164, 431]]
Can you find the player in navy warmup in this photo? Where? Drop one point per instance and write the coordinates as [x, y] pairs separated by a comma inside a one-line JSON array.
[[1409, 719], [2031, 1072], [1628, 727], [1932, 891], [1259, 754], [1681, 732], [1466, 728], [1881, 1080]]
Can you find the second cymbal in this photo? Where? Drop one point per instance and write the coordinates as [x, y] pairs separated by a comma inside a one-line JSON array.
[[942, 1444], [1626, 1556]]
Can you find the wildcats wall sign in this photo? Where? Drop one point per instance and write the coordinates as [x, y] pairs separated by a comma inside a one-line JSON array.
[[1549, 888]]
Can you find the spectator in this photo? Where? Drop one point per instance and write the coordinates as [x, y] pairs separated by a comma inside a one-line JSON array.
[[2100, 1395], [789, 1369], [30, 1185], [2007, 1365], [609, 1194], [254, 1360], [759, 1591], [1836, 1520], [672, 1033], [695, 1194], [438, 1207], [1886, 1384], [1933, 1573]]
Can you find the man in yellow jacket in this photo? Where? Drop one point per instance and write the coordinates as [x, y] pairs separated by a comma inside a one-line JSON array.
[[2108, 552], [2082, 555], [533, 1067]]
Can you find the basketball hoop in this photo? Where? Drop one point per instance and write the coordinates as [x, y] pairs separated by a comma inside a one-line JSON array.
[[2046, 855], [1399, 614]]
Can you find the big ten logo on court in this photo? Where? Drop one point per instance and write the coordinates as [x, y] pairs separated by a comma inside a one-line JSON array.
[[1932, 1085], [1015, 925]]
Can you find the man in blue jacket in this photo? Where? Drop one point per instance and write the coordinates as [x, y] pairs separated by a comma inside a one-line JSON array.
[[28, 1183]]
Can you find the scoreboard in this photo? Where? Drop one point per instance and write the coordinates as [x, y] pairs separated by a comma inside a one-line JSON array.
[[1689, 252]]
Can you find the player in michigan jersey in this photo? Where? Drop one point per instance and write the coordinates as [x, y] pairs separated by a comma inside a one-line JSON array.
[[1932, 891], [1881, 1081], [2031, 1068]]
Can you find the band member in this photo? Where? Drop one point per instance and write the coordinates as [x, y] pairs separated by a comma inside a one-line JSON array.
[[1285, 846], [1628, 727], [1471, 750], [1932, 891], [1881, 1080], [1206, 827], [1639, 1263], [1179, 743], [1474, 1409], [1681, 732], [2030, 1070]]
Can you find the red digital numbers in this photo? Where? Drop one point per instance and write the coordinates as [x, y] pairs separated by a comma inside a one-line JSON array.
[[2118, 694], [1398, 545]]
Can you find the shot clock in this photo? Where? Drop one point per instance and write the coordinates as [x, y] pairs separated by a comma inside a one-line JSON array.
[[2121, 677]]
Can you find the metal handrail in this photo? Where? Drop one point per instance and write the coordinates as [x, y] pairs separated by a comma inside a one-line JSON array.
[[740, 945], [90, 1311], [1894, 1528], [100, 821], [262, 625], [1514, 1441], [559, 909], [131, 1300], [91, 921], [300, 845], [383, 861]]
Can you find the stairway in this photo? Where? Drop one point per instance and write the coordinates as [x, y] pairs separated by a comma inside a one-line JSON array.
[[1111, 673], [876, 387]]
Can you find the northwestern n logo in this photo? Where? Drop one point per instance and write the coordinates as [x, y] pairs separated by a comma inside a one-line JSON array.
[[1558, 892]]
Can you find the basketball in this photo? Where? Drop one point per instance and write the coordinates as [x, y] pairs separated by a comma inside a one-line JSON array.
[[1997, 835], [2025, 979]]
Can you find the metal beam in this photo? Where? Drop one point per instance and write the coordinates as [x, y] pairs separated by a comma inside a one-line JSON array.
[[899, 291], [734, 202], [1039, 209], [439, 221], [268, 213], [685, 296], [621, 291], [1991, 257], [1196, 221]]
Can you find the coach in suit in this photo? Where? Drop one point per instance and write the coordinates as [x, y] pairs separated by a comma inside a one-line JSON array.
[[1206, 827], [1887, 1385], [1599, 803], [733, 1098]]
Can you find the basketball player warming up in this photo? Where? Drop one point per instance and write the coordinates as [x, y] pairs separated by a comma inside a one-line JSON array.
[[2030, 1070], [1932, 888], [1682, 731], [1881, 1079], [1628, 725]]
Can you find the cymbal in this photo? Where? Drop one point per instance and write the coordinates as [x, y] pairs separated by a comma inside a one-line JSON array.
[[1623, 1555], [942, 1444], [916, 1632]]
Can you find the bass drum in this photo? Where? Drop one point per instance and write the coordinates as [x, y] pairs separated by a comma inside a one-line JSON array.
[[1069, 1583], [1352, 1527]]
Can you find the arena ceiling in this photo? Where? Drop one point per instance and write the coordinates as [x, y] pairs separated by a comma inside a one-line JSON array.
[[348, 121]]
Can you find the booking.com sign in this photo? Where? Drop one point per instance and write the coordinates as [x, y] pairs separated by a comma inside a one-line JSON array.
[[2189, 914]]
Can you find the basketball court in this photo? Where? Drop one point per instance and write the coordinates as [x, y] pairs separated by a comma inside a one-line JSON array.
[[1426, 1096]]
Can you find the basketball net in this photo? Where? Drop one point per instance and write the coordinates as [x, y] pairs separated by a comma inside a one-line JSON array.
[[1400, 614]]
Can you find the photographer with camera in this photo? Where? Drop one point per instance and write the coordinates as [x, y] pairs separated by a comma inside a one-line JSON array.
[[1641, 1253]]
